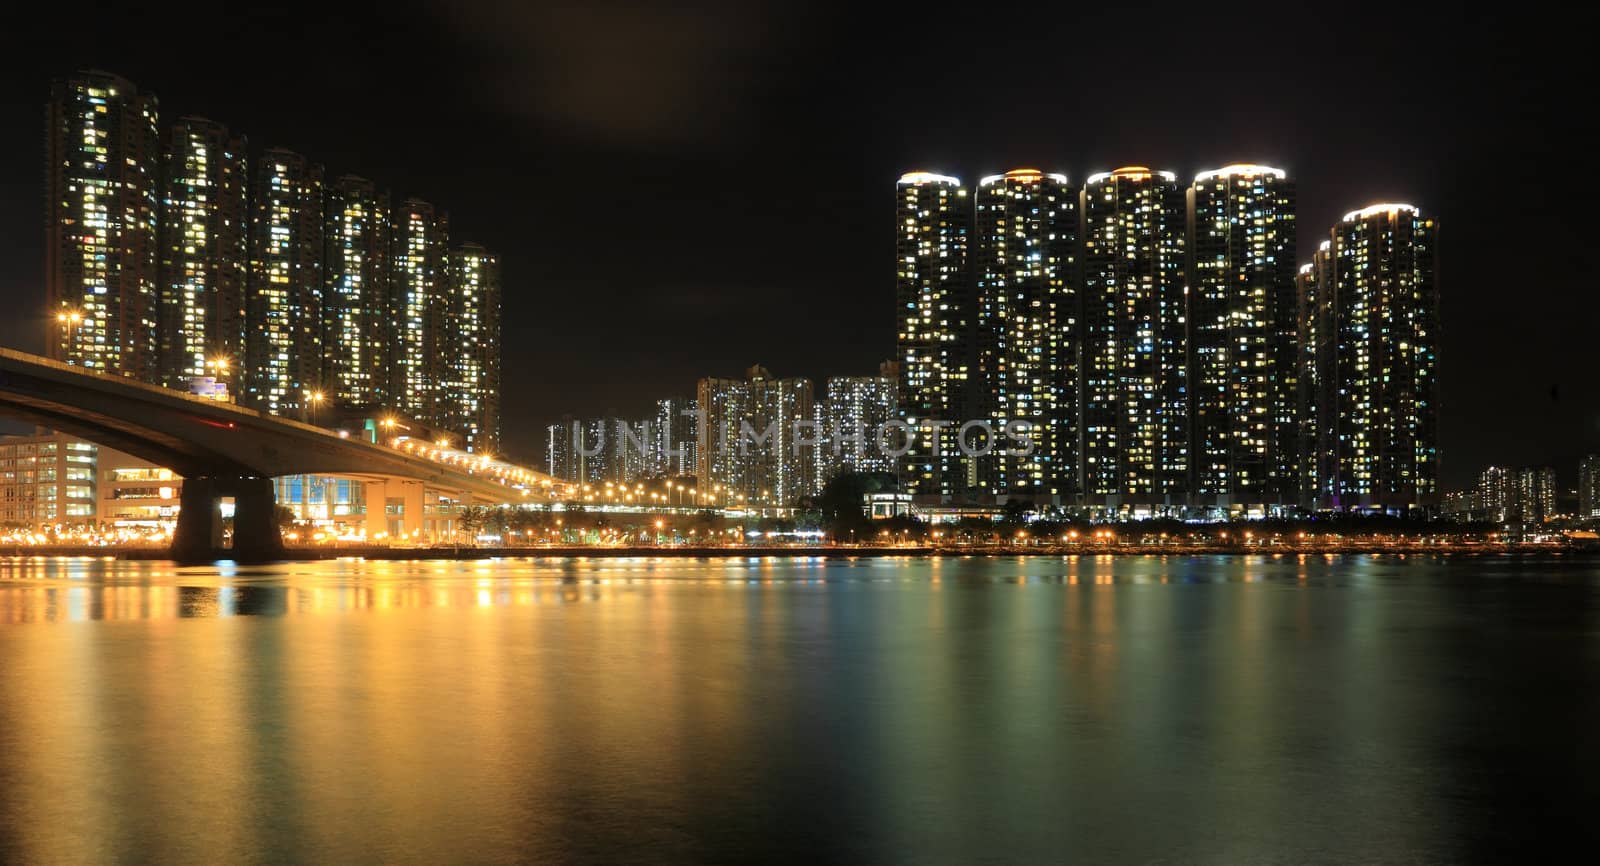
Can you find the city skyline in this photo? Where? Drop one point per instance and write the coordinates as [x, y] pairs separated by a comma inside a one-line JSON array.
[[679, 317]]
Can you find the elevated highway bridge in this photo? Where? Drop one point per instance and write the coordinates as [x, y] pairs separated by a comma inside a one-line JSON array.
[[223, 450]]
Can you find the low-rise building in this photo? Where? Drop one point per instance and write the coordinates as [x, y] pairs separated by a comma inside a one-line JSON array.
[[47, 481], [135, 494]]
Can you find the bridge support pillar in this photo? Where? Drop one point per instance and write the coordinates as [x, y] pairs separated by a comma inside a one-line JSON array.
[[411, 508], [199, 531], [255, 530], [255, 526]]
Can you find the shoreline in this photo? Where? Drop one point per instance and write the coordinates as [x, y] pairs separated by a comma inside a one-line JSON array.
[[378, 553]]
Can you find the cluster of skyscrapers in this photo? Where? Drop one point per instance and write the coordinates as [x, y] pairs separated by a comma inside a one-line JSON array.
[[1161, 342], [173, 253], [1529, 497], [758, 440]]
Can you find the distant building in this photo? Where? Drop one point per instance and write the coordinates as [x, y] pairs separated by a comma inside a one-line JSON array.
[[1243, 325], [750, 444], [1497, 494], [935, 329], [1589, 487], [674, 447], [1461, 504], [1523, 498], [204, 233], [1028, 297], [559, 454], [1134, 393], [1535, 500], [851, 418], [102, 165]]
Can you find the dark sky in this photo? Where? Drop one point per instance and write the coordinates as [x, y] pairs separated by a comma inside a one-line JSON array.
[[683, 190]]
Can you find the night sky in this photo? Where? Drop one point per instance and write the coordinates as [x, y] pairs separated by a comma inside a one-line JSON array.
[[681, 192]]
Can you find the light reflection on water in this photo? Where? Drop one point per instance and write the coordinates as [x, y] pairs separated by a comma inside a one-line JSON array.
[[76, 589], [902, 710]]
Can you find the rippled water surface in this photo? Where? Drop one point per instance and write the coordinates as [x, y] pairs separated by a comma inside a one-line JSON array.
[[1026, 710]]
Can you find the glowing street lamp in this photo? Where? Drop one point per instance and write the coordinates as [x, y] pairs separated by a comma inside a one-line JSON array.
[[69, 319], [313, 401]]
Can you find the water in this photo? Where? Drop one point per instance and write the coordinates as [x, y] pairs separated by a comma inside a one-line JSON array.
[[1139, 710]]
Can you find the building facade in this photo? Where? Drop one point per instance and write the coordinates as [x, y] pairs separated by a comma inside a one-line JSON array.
[[418, 305], [1535, 500], [753, 439], [135, 494], [1314, 356], [356, 298], [47, 481], [1378, 294], [1589, 487], [1026, 228], [935, 321], [204, 234], [1134, 394], [469, 400], [852, 424], [102, 170], [1244, 330], [675, 436], [283, 346]]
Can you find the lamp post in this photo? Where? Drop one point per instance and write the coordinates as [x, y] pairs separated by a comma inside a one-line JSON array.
[[313, 400], [69, 320]]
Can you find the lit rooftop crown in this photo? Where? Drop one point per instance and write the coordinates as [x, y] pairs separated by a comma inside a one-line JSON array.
[[1022, 175], [1372, 210], [1132, 172], [912, 178], [1240, 169]]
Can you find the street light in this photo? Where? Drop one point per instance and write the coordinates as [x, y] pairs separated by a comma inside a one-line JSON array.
[[69, 320], [313, 401]]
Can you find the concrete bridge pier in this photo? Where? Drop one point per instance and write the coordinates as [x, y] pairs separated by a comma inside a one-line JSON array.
[[255, 530]]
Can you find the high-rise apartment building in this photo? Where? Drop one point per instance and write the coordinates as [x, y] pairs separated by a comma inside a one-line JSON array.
[[560, 457], [1313, 356], [204, 234], [1026, 228], [851, 420], [102, 165], [1589, 487], [419, 279], [1243, 307], [753, 442], [1134, 393], [675, 437], [934, 323], [283, 346], [469, 396], [1535, 496], [355, 301], [1497, 494], [1378, 294]]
